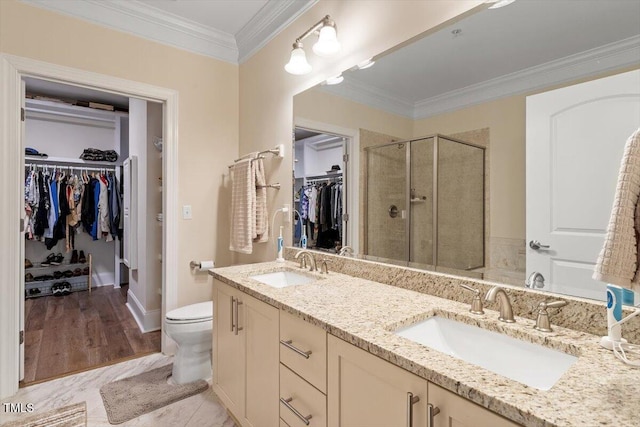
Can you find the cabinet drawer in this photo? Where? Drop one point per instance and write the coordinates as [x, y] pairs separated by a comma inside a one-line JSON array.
[[300, 400], [303, 348]]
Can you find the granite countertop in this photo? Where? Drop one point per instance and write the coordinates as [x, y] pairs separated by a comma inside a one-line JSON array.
[[597, 390]]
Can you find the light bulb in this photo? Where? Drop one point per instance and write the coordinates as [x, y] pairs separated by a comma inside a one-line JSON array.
[[334, 80], [366, 64], [500, 3], [327, 43], [298, 64]]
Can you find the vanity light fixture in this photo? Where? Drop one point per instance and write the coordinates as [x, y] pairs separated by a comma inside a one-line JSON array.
[[497, 4], [334, 80], [326, 45], [366, 64]]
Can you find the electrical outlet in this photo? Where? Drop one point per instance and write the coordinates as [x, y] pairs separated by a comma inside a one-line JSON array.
[[186, 212], [286, 212]]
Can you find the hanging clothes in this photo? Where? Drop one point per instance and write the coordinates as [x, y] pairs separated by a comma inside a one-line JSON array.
[[58, 205]]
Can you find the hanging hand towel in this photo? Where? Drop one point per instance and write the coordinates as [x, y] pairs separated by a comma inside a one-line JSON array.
[[262, 217], [618, 260], [243, 216]]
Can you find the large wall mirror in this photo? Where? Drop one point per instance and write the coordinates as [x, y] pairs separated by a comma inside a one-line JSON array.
[[442, 138]]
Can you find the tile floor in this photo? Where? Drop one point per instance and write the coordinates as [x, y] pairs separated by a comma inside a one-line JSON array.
[[200, 410]]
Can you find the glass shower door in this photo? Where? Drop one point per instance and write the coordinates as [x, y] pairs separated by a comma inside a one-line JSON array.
[[460, 205], [386, 207], [421, 223]]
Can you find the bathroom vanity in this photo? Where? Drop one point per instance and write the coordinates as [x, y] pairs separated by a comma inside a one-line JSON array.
[[322, 350]]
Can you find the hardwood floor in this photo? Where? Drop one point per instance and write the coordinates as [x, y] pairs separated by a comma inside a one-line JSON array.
[[81, 331]]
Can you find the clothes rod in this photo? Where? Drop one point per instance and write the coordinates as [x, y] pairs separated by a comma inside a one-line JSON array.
[[70, 167]]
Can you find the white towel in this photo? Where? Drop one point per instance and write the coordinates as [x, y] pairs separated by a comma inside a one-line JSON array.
[[618, 260], [243, 197], [262, 217]]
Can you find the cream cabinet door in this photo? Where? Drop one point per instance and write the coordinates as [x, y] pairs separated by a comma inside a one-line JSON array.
[[456, 411], [260, 325], [228, 349], [364, 390]]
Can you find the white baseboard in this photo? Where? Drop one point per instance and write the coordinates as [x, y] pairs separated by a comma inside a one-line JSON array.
[[147, 321]]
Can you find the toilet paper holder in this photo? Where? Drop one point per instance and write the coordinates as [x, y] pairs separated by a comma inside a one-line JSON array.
[[201, 265]]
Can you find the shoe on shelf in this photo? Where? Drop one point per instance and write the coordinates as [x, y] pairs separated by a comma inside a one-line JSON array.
[[65, 288], [74, 257], [85, 271], [81, 258], [56, 290], [77, 272], [58, 259], [49, 261], [27, 263], [57, 274], [34, 291], [28, 277], [67, 273]]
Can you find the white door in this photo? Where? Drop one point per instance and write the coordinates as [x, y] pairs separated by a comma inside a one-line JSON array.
[[574, 143]]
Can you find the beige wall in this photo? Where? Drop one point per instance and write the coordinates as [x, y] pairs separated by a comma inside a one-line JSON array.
[[208, 115], [505, 119], [365, 28]]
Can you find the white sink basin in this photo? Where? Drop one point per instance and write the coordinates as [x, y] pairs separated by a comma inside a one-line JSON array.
[[282, 279], [531, 364]]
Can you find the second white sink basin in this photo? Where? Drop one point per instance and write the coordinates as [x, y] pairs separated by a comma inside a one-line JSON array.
[[282, 279], [531, 364]]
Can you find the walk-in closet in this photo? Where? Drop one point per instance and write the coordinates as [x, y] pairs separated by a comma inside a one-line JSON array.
[[319, 190], [92, 228]]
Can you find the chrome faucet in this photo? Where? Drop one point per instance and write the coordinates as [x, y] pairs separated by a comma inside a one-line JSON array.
[[535, 280], [506, 312], [542, 322], [346, 251], [312, 262]]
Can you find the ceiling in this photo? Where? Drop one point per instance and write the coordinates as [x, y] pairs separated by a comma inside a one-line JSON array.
[[229, 30], [495, 46]]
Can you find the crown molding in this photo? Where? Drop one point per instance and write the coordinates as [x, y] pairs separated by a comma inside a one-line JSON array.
[[267, 23], [369, 95], [150, 23], [610, 57]]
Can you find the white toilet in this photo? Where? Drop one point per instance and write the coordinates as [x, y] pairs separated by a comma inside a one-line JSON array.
[[190, 327]]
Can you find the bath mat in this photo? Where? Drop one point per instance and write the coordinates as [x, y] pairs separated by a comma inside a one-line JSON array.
[[69, 416], [134, 396]]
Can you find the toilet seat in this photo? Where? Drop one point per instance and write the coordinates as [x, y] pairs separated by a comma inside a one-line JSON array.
[[194, 313]]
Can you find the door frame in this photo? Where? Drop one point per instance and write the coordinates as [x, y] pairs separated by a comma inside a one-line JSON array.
[[12, 70], [353, 171]]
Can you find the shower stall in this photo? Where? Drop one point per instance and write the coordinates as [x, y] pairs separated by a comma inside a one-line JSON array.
[[424, 203]]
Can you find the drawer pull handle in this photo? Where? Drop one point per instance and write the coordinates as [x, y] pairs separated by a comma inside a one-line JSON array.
[[431, 412], [290, 346], [297, 413], [233, 304], [411, 400]]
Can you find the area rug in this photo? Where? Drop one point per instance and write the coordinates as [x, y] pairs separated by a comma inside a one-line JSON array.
[[69, 416], [131, 397]]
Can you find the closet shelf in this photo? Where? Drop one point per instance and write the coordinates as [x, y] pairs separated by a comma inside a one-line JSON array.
[[42, 288], [78, 283], [66, 266]]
